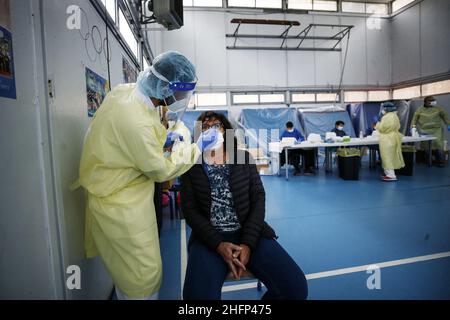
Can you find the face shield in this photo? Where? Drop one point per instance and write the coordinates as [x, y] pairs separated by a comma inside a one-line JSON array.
[[182, 93]]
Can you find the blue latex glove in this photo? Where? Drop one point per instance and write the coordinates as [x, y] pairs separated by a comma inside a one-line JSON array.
[[171, 138], [448, 127], [207, 139]]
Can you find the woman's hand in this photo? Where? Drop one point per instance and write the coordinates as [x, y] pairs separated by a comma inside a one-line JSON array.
[[230, 253], [242, 257]]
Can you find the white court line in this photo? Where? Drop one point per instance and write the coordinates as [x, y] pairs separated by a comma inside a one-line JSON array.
[[339, 272], [183, 255]]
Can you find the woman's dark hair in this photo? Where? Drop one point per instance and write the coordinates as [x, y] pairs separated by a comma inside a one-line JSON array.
[[340, 122], [209, 115], [289, 124]]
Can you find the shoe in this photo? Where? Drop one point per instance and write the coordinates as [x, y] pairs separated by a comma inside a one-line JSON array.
[[388, 179]]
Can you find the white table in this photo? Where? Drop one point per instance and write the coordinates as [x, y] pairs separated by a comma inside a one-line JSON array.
[[354, 142]]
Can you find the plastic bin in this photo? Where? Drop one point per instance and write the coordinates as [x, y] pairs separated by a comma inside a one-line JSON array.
[[408, 156], [349, 160]]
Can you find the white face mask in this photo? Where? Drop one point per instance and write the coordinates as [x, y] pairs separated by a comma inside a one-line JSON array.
[[290, 130], [171, 124], [178, 105], [433, 103], [340, 128], [219, 142]]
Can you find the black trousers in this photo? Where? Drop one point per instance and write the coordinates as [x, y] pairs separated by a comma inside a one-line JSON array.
[[309, 158], [157, 199]]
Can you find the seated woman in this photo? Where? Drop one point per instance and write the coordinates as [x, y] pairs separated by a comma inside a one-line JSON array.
[[223, 201]]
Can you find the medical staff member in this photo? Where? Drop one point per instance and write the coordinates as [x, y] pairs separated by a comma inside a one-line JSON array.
[[122, 159], [430, 118], [390, 141], [339, 128], [294, 155]]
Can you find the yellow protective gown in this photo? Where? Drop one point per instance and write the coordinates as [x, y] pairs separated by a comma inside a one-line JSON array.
[[122, 158], [429, 121], [390, 141]]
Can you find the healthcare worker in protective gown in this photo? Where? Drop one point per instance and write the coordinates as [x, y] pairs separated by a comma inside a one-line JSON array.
[[429, 118], [124, 154], [390, 142]]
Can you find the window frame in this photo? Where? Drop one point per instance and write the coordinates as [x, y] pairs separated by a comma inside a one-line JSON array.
[[121, 14], [424, 85], [356, 92], [196, 99], [258, 94], [396, 90], [401, 7]]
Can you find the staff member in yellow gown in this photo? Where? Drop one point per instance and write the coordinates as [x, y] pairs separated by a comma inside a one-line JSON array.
[[390, 142], [121, 160], [430, 118]]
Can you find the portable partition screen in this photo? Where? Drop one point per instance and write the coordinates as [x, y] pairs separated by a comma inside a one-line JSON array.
[[266, 125], [322, 122]]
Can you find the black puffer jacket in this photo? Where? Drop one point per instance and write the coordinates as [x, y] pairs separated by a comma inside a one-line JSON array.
[[249, 201]]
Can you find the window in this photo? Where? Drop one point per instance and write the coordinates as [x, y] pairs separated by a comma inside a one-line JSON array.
[[245, 98], [187, 3], [322, 5], [355, 96], [303, 97], [355, 7], [435, 88], [398, 4], [210, 99], [242, 3], [207, 3], [276, 4], [407, 93], [127, 34], [110, 6], [327, 97], [377, 8], [383, 95], [272, 98], [268, 4], [300, 4], [145, 64]]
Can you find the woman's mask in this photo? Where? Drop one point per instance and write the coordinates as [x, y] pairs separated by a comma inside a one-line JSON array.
[[219, 142]]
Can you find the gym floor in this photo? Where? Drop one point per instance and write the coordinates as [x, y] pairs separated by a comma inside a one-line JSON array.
[[336, 229]]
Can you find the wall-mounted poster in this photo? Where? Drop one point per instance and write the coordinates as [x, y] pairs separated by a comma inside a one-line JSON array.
[[96, 88], [7, 78], [129, 73]]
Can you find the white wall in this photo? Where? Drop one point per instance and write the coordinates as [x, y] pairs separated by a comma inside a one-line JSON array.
[[421, 41], [29, 258], [202, 39], [42, 220]]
